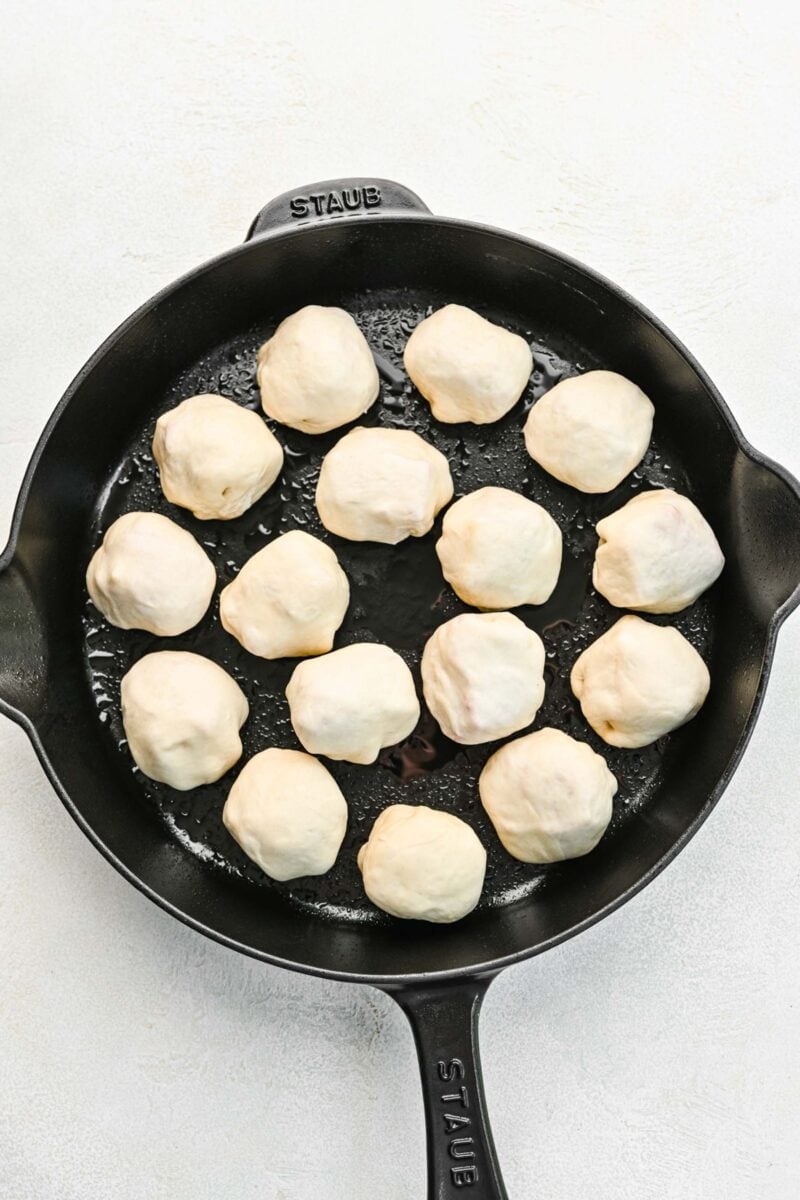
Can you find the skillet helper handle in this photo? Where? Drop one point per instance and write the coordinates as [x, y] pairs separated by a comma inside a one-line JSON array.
[[765, 529], [22, 648], [461, 1154], [334, 200]]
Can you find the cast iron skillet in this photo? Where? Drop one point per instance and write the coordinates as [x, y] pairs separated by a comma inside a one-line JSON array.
[[373, 247]]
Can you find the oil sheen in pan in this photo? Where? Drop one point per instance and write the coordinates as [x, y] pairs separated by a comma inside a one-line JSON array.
[[398, 597]]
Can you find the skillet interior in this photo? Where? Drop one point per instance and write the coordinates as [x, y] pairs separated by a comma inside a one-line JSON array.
[[203, 336]]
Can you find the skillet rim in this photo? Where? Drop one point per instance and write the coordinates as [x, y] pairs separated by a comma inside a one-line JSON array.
[[489, 967]]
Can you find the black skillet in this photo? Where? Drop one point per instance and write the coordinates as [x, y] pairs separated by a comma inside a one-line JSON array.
[[374, 248]]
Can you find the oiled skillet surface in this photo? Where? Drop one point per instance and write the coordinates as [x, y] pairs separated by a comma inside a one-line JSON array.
[[398, 597]]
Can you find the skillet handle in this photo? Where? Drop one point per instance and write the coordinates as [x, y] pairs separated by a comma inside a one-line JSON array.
[[461, 1154], [334, 200], [765, 529], [22, 646]]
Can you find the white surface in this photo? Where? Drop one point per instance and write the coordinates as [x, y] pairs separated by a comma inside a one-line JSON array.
[[655, 1057]]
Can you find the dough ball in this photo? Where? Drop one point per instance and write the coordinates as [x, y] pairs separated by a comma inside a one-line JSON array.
[[639, 681], [422, 864], [317, 372], [482, 676], [288, 599], [382, 485], [351, 703], [499, 549], [182, 715], [215, 457], [590, 431], [287, 813], [467, 368], [150, 574], [657, 554], [548, 796]]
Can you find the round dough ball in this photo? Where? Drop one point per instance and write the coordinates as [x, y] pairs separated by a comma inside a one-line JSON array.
[[591, 430], [150, 574], [422, 864], [657, 553], [351, 703], [467, 368], [288, 599], [548, 796], [499, 549], [317, 372], [639, 681], [287, 813], [182, 715], [482, 676], [382, 485], [215, 457]]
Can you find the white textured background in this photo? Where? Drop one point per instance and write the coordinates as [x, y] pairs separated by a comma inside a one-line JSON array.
[[653, 1058]]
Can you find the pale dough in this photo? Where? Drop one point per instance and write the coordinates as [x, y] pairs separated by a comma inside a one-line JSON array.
[[499, 549], [382, 485], [288, 599], [548, 796], [317, 372], [591, 430], [351, 703], [466, 367], [422, 864], [215, 457], [182, 715], [482, 676], [639, 681], [150, 574], [656, 554], [287, 813]]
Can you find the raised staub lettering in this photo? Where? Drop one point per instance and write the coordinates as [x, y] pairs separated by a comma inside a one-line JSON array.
[[334, 203], [452, 1122], [448, 1071], [462, 1147], [460, 1097]]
